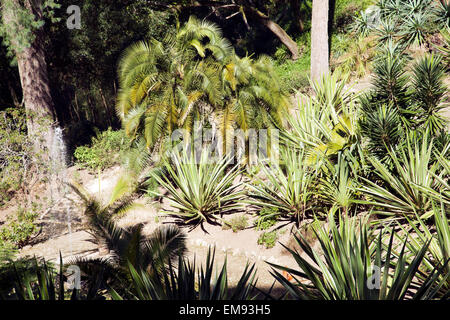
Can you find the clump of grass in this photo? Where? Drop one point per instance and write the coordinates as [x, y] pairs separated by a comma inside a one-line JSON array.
[[267, 218], [268, 239], [236, 223]]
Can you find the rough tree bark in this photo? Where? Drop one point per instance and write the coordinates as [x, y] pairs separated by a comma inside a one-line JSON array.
[[319, 39], [34, 80]]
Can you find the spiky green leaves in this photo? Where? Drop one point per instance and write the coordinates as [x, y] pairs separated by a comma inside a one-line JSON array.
[[201, 189], [429, 91], [354, 265]]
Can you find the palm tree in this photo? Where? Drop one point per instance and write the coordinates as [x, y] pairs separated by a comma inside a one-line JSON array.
[[195, 75]]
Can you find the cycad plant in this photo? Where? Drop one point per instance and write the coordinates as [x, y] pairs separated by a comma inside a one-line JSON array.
[[125, 245], [200, 190], [356, 265]]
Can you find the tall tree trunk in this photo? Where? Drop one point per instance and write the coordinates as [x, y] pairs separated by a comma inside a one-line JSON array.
[[276, 30], [319, 39], [34, 80]]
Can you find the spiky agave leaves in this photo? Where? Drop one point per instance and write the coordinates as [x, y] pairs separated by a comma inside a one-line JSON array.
[[439, 244], [415, 28], [289, 187], [41, 281], [402, 190], [338, 183], [353, 265], [186, 281], [201, 188]]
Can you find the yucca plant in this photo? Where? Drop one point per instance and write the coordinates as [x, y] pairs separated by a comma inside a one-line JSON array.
[[200, 191], [382, 127], [415, 28], [187, 282], [390, 79], [442, 13], [289, 187], [403, 190], [429, 91], [355, 265]]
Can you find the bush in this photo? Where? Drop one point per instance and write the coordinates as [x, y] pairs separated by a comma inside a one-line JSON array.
[[104, 151], [236, 223], [268, 239], [14, 153], [18, 232], [267, 218]]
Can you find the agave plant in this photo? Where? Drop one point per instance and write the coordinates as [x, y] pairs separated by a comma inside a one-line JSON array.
[[439, 244], [200, 192], [362, 24], [337, 187], [404, 189], [356, 266], [187, 282], [415, 28], [289, 187], [326, 122]]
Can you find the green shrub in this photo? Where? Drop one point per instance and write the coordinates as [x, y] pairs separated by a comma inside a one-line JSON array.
[[268, 239], [267, 218], [104, 151], [14, 152], [236, 223], [19, 230]]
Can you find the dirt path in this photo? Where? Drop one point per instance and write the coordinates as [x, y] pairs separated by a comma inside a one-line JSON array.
[[237, 248]]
